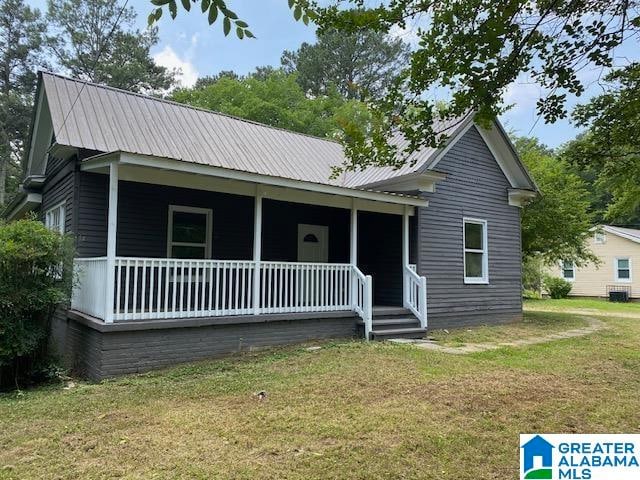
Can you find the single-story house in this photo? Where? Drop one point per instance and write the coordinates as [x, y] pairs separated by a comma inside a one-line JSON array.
[[199, 234], [618, 249]]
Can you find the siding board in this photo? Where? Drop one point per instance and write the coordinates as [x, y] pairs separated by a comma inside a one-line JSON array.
[[475, 187]]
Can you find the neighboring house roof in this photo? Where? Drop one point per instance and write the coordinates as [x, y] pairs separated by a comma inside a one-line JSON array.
[[628, 233], [104, 119]]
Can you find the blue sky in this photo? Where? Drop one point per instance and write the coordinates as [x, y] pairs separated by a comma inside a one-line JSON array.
[[189, 43]]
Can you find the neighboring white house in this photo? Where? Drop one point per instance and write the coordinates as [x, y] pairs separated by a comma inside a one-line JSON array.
[[619, 252]]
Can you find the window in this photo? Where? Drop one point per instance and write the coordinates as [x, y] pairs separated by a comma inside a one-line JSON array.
[[476, 265], [54, 218], [623, 269], [189, 232], [599, 238], [568, 271]]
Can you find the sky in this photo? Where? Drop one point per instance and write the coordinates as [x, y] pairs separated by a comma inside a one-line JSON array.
[[198, 49]]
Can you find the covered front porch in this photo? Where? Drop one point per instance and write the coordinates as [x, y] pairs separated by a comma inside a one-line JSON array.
[[191, 241]]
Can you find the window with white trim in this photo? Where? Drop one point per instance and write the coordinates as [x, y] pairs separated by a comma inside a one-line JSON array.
[[476, 264], [623, 269], [568, 270], [599, 238], [54, 218], [189, 232]]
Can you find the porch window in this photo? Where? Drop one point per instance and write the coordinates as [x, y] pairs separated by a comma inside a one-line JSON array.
[[189, 232], [476, 265], [568, 271], [54, 218], [623, 269]]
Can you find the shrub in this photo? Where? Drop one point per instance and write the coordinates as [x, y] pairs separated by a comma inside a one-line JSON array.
[[557, 287], [35, 277], [532, 276], [531, 295]]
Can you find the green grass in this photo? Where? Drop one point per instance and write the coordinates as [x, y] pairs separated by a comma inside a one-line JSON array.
[[535, 324], [348, 410], [583, 304]]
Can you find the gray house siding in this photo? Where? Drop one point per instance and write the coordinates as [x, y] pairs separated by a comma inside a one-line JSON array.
[[475, 187], [58, 188]]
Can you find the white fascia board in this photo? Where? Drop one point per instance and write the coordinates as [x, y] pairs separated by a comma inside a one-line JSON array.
[[124, 158], [617, 232], [411, 182], [30, 201], [519, 197]]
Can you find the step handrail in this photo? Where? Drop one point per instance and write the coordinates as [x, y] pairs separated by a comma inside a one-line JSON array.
[[362, 298], [415, 295]]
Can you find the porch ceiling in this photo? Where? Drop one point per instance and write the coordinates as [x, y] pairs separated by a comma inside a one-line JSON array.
[[161, 171]]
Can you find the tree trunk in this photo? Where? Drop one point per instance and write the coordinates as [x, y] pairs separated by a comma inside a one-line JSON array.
[[4, 163]]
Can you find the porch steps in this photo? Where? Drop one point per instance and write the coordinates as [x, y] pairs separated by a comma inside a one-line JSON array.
[[393, 322]]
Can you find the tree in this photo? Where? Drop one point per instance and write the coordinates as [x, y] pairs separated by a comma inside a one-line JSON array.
[[274, 98], [473, 49], [360, 65], [89, 30], [556, 224], [22, 36], [610, 148]]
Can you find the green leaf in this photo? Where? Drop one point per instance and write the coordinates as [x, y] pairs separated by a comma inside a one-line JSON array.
[[186, 4], [173, 9], [292, 3], [226, 26], [248, 34], [297, 13], [158, 14], [305, 19], [205, 5], [213, 14], [160, 3], [151, 18], [240, 33], [228, 13], [242, 24]]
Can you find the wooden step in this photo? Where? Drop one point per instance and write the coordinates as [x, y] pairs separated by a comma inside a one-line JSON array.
[[398, 333]]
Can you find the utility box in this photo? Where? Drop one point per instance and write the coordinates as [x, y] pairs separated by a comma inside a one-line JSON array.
[[619, 296]]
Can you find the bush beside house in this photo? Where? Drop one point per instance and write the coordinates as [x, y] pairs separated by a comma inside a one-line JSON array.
[[557, 287], [35, 277]]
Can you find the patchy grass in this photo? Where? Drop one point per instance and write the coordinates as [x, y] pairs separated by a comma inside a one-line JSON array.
[[348, 410], [533, 325], [572, 304]]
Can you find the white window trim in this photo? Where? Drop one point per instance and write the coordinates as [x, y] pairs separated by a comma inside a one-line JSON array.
[[181, 208], [484, 280], [615, 271], [573, 269], [49, 211]]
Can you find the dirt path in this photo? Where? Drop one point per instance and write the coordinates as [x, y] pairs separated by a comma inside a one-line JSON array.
[[593, 325]]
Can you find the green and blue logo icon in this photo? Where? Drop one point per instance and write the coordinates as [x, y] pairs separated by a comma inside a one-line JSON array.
[[536, 459]]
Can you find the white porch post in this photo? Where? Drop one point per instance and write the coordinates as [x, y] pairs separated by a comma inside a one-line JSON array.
[[257, 249], [353, 252], [405, 255], [112, 227]]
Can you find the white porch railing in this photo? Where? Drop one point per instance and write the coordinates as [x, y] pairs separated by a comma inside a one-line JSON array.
[[158, 288], [88, 291], [415, 294]]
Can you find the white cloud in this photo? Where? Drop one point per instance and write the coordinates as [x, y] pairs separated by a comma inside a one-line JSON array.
[[168, 58]]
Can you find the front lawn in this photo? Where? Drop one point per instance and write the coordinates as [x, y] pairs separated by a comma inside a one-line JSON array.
[[595, 305], [348, 410]]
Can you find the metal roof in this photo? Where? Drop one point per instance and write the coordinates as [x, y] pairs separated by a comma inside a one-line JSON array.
[[105, 119]]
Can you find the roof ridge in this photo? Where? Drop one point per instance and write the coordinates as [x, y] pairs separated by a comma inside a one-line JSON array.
[[185, 105]]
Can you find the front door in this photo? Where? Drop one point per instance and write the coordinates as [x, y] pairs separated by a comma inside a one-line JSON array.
[[313, 243]]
